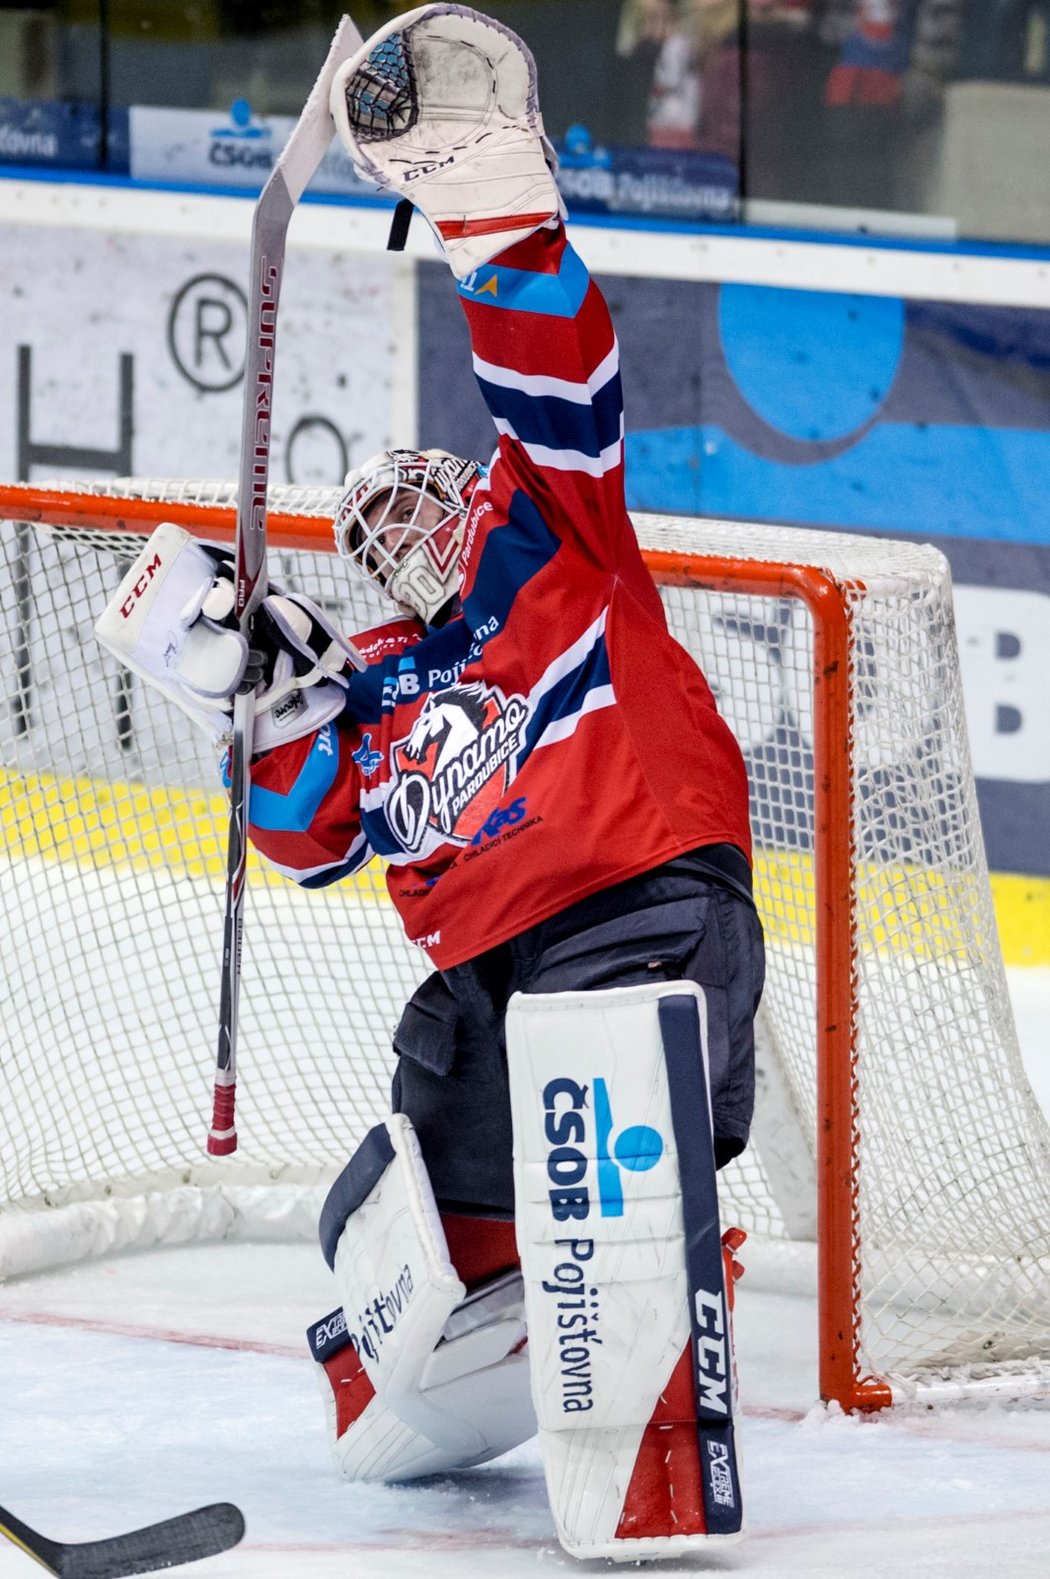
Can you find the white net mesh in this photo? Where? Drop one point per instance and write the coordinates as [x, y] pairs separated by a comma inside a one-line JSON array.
[[114, 832]]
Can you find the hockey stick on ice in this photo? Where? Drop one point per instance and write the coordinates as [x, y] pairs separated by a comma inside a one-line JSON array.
[[299, 159], [184, 1539]]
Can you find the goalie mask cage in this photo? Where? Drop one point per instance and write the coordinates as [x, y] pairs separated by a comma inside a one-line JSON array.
[[895, 1127]]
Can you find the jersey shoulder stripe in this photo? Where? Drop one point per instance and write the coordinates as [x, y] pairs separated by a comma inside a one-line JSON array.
[[585, 689], [571, 658], [569, 686], [580, 391], [566, 460], [293, 810], [557, 295], [558, 424]]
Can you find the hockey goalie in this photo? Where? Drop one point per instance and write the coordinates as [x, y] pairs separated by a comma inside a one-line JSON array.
[[531, 1239]]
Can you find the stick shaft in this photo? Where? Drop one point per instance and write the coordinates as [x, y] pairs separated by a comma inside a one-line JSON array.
[[299, 159]]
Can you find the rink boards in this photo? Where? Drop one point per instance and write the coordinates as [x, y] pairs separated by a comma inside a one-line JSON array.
[[102, 824]]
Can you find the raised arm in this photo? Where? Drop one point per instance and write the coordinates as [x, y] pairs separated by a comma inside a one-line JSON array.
[[547, 363], [441, 105]]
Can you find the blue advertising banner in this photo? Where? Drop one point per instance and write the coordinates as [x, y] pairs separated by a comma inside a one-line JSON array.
[[900, 418], [62, 136], [238, 149], [661, 183]]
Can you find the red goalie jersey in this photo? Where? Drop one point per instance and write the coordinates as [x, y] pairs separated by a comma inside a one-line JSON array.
[[553, 738]]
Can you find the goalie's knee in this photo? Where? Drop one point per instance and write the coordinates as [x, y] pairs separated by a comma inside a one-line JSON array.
[[419, 1375]]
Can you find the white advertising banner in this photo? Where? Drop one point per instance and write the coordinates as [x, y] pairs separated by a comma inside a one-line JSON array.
[[238, 149], [123, 352]]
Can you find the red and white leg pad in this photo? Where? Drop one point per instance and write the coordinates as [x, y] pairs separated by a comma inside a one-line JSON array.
[[625, 1296], [418, 1376]]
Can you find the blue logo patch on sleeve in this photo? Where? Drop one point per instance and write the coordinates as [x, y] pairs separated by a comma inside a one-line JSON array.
[[367, 759]]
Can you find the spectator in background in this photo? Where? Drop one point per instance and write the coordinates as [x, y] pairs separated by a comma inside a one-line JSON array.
[[694, 77], [897, 52], [680, 37], [885, 97]]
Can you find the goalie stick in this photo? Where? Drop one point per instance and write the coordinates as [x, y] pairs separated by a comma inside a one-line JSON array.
[[184, 1539], [299, 159]]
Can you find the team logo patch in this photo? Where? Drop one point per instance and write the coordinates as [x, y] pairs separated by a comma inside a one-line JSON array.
[[454, 766], [367, 759]]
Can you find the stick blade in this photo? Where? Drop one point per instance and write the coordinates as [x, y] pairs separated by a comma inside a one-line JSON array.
[[184, 1539]]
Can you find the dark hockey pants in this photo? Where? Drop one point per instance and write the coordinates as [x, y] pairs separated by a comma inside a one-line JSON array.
[[691, 919]]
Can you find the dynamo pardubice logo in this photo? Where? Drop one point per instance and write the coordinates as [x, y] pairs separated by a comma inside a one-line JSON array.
[[454, 766]]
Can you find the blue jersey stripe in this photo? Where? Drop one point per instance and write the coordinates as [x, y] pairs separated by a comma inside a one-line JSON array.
[[295, 811], [557, 295], [557, 423], [377, 831], [607, 407], [567, 696], [512, 555]]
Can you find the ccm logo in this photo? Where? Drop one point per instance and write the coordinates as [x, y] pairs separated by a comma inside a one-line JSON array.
[[127, 608], [712, 1369], [428, 167]]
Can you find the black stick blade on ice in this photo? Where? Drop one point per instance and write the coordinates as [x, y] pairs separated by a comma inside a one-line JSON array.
[[184, 1539]]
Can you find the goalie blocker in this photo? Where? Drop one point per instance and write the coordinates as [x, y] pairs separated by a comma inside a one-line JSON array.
[[628, 1313]]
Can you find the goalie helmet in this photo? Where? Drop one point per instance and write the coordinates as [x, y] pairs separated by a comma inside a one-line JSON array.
[[400, 524]]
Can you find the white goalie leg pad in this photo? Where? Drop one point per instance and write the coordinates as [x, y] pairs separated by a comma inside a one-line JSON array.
[[617, 1225], [440, 105], [419, 1377]]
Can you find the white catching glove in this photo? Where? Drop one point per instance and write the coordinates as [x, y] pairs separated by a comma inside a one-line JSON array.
[[440, 105], [171, 621]]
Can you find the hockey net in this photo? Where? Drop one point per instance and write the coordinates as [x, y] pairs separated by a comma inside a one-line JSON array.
[[895, 1128]]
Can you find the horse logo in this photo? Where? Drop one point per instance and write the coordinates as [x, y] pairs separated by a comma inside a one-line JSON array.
[[454, 766]]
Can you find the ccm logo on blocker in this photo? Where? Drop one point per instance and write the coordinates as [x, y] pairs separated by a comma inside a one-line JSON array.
[[635, 1150], [141, 587]]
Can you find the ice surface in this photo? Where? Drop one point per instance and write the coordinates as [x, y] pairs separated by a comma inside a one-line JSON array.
[[144, 1385]]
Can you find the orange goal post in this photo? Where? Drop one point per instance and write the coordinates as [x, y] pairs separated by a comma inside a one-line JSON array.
[[900, 1164]]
